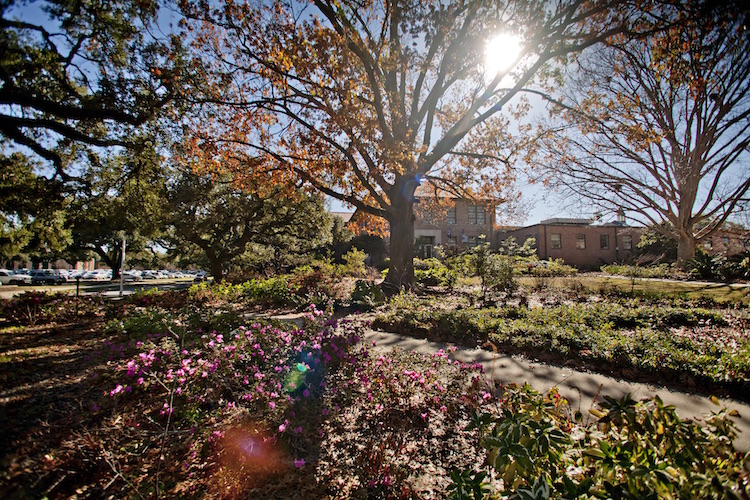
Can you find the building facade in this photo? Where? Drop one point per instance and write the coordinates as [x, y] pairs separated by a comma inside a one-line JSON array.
[[579, 242], [456, 225]]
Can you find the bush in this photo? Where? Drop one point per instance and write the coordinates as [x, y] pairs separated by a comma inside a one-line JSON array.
[[631, 271], [553, 268], [718, 267], [433, 272], [354, 264], [631, 450], [367, 294]]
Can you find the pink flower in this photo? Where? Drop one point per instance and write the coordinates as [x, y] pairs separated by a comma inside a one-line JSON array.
[[299, 463], [271, 405], [282, 427]]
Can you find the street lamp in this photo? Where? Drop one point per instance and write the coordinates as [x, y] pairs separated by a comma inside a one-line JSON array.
[[122, 263]]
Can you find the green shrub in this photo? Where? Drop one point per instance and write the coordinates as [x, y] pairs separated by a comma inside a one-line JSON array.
[[631, 271], [552, 268], [367, 294], [631, 450], [354, 264]]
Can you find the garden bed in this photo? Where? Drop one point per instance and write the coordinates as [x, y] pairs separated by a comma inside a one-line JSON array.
[[688, 344], [165, 395]]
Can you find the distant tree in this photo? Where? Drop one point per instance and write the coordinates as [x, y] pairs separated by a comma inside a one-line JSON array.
[[222, 220], [366, 100], [119, 203], [660, 126], [32, 213]]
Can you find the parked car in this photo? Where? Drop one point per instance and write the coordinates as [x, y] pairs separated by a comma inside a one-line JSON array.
[[46, 277], [200, 276], [131, 276], [8, 277], [97, 275]]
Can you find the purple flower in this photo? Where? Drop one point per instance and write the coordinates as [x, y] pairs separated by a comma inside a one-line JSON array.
[[299, 463]]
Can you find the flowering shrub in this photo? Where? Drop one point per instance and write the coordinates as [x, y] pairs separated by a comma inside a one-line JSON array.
[[409, 410], [274, 374], [631, 450]]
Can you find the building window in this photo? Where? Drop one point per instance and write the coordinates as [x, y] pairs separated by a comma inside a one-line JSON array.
[[452, 241], [477, 214], [604, 241], [451, 215], [581, 241], [555, 240], [708, 244], [725, 241], [627, 242]]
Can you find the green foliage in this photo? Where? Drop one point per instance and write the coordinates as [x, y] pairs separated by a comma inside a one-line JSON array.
[[657, 243], [510, 247], [29, 229], [222, 222], [632, 450], [433, 272], [468, 485], [718, 267], [354, 263], [633, 271], [552, 268], [367, 294], [496, 272], [84, 74], [315, 283], [621, 335]]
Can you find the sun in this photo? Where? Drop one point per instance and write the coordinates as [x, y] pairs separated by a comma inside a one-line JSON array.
[[501, 52]]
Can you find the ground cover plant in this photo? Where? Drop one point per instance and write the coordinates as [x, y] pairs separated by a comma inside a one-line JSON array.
[[694, 344]]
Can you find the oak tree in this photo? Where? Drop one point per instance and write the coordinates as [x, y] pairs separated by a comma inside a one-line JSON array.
[[660, 126], [365, 100], [118, 203], [223, 221], [84, 73]]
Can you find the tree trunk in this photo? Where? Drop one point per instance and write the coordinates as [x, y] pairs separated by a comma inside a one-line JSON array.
[[401, 271], [116, 263], [685, 247], [217, 266]]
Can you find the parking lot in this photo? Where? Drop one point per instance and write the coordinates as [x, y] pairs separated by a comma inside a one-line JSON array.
[[91, 287]]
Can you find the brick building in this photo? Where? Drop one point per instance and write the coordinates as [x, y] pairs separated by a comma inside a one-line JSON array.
[[579, 242], [456, 224]]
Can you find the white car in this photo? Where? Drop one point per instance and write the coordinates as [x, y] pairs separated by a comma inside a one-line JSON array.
[[98, 275], [131, 276], [8, 277]]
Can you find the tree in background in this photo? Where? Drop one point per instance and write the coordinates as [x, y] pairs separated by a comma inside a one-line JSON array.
[[83, 73], [363, 101], [660, 126], [32, 213], [223, 221], [118, 203]]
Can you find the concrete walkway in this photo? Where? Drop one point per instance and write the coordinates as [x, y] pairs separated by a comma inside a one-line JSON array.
[[579, 388]]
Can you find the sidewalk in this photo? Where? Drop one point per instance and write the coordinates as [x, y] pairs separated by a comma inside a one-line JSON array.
[[579, 388]]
